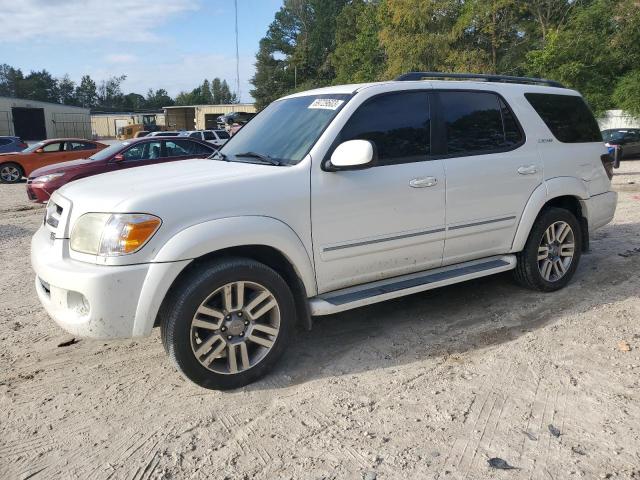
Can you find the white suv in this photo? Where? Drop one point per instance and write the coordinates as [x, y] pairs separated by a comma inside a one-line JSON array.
[[215, 137], [327, 200]]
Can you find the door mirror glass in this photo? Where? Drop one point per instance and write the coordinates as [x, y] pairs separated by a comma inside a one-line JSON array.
[[352, 155]]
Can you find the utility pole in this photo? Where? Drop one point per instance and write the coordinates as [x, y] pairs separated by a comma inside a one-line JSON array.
[[237, 56]]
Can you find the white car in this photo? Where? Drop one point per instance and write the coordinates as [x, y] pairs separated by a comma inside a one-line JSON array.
[[215, 137], [328, 200]]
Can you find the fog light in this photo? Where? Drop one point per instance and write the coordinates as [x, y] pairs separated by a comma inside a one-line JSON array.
[[78, 302]]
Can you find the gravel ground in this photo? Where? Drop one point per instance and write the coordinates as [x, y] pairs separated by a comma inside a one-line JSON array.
[[426, 387]]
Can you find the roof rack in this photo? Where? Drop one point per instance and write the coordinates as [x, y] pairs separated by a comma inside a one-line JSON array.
[[478, 76]]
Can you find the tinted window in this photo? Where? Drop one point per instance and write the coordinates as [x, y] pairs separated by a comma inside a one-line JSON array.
[[195, 135], [398, 124], [4, 141], [143, 151], [567, 116], [223, 135], [209, 135], [181, 148], [477, 122], [73, 146]]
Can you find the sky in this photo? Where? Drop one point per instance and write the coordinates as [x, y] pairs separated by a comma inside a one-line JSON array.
[[170, 44]]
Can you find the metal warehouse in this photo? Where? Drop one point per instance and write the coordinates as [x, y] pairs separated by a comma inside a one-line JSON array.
[[106, 125], [33, 120], [202, 117]]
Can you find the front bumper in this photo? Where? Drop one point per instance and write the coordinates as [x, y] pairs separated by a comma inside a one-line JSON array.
[[37, 192], [87, 300], [601, 209]]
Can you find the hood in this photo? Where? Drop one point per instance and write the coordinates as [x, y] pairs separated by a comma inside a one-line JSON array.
[[201, 186], [61, 167], [190, 192]]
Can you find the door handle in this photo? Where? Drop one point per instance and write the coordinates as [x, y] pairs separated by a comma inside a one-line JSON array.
[[527, 170], [422, 182]]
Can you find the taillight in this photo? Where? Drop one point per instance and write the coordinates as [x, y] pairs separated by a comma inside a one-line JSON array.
[[607, 163]]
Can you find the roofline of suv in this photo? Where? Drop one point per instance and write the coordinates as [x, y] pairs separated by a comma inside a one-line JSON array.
[[412, 76]]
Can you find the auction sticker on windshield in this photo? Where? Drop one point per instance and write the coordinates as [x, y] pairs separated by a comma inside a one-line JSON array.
[[326, 103]]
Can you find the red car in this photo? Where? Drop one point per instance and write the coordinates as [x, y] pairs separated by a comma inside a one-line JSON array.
[[131, 153]]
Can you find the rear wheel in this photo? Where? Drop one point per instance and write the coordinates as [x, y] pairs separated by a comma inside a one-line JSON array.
[[552, 252], [227, 323], [10, 173]]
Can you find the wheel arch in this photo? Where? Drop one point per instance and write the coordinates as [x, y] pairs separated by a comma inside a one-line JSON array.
[[264, 239], [564, 192], [15, 162]]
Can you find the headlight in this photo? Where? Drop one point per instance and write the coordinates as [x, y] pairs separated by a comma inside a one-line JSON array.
[[113, 234], [47, 178]]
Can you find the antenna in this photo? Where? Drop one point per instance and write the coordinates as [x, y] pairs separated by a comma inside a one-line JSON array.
[[235, 2]]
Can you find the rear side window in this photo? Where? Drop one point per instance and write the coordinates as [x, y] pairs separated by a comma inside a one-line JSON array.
[[398, 124], [209, 136], [477, 122], [4, 141], [567, 116]]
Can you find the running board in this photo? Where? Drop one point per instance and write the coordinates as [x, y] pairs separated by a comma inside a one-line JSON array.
[[374, 292]]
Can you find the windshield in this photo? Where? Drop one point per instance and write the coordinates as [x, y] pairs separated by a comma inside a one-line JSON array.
[[287, 129], [109, 151], [33, 147]]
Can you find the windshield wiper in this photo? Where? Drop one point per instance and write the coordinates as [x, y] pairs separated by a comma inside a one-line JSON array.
[[261, 156]]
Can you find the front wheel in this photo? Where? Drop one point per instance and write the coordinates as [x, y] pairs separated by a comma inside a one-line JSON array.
[[10, 173], [227, 323], [552, 252]]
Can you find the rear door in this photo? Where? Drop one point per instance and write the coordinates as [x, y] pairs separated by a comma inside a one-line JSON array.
[[387, 220], [52, 153], [490, 170]]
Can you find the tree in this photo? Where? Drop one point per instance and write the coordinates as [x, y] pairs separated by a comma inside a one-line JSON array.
[[66, 91], [226, 97], [86, 93], [419, 35], [296, 51], [10, 81], [207, 97], [110, 94], [158, 99], [597, 52], [490, 30], [39, 86], [215, 91], [358, 56]]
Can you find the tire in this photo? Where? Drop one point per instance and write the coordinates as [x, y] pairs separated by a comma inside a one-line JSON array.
[[203, 329], [10, 172], [554, 272]]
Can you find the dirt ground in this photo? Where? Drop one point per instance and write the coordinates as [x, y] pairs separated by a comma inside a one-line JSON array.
[[426, 387]]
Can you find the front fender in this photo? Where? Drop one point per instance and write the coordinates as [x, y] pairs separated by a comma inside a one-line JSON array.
[[548, 190], [215, 235]]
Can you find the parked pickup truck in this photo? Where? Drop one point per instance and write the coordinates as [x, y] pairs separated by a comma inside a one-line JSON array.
[[328, 200]]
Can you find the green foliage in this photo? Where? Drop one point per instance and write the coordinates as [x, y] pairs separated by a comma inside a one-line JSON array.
[[295, 53], [596, 52], [590, 45], [87, 93], [358, 56]]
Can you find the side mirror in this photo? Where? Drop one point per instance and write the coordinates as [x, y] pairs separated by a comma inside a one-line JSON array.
[[118, 158], [352, 155], [617, 156]]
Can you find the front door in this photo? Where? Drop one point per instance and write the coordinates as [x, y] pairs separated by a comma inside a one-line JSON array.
[[491, 173], [387, 220]]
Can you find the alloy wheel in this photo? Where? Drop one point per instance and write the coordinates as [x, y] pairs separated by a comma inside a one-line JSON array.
[[9, 173], [556, 251], [235, 327]]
